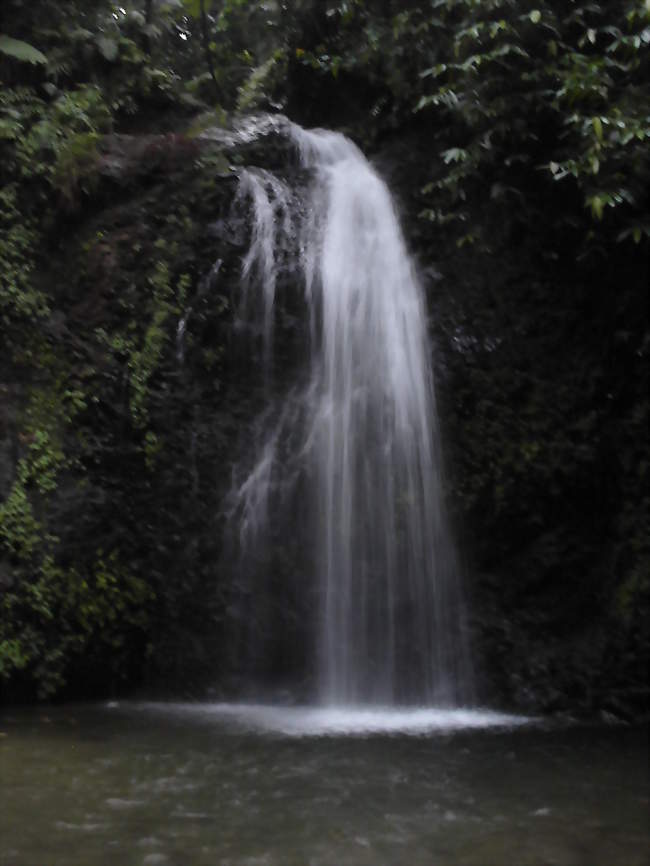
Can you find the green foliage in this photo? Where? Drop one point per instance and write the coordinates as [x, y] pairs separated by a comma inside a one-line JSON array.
[[52, 615], [19, 530], [550, 90], [45, 147], [59, 615], [74, 171], [261, 88], [19, 299], [144, 361], [195, 7]]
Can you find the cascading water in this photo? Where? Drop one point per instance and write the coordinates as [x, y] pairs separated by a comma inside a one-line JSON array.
[[361, 441]]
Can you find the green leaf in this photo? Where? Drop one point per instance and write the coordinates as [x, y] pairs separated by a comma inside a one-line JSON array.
[[21, 50], [596, 203], [136, 17], [454, 154], [535, 16], [598, 128], [193, 7], [108, 48]]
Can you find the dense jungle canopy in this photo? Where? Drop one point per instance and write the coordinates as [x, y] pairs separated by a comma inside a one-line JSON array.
[[515, 135]]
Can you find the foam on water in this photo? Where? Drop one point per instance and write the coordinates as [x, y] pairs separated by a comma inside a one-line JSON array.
[[306, 721]]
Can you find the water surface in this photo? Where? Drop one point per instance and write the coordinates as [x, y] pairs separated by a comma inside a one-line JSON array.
[[193, 785]]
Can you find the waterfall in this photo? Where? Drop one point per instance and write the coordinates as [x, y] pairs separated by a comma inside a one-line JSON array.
[[361, 442]]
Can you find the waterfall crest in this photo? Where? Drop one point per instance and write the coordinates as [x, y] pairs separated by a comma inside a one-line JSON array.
[[361, 434]]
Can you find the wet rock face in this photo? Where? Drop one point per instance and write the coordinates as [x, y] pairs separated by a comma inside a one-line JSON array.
[[8, 437], [127, 158], [143, 276]]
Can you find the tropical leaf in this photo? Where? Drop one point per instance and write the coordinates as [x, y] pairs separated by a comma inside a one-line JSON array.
[[193, 7], [136, 17], [108, 48], [20, 50]]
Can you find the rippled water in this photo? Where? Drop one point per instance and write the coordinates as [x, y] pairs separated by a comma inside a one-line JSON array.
[[194, 785]]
